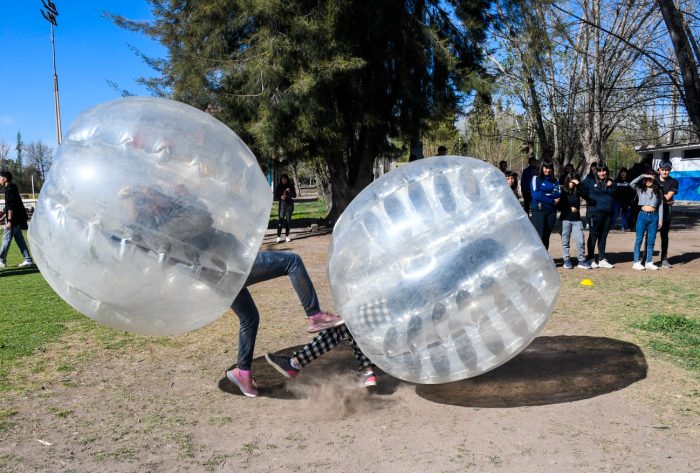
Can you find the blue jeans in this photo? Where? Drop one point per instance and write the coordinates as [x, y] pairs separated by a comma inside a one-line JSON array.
[[270, 265], [623, 209], [646, 223], [14, 232], [568, 228]]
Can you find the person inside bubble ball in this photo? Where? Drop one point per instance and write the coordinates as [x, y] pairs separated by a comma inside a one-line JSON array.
[[271, 265], [326, 340]]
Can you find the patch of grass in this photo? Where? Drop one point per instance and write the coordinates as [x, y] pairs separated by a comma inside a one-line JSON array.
[[5, 416], [31, 314], [185, 442], [61, 413], [675, 335], [314, 209], [215, 462]]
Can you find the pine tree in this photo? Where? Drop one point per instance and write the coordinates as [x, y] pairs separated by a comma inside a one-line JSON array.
[[343, 80]]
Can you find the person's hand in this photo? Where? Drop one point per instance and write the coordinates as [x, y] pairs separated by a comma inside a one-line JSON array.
[[574, 210], [556, 202], [575, 181], [609, 183]]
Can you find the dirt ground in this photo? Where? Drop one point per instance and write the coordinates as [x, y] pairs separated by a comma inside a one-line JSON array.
[[582, 397]]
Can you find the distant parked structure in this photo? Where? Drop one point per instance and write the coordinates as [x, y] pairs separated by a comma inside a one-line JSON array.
[[686, 166]]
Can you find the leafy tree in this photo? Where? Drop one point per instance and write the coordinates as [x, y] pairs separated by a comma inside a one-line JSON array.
[[19, 148], [341, 80]]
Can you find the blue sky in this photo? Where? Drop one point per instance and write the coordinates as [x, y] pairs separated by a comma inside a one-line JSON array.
[[89, 51]]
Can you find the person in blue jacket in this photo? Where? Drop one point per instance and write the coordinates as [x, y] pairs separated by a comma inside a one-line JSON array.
[[545, 198], [600, 193]]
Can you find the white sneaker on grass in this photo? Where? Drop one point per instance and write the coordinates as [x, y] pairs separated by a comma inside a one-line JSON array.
[[2, 264], [24, 264], [650, 265], [638, 266], [604, 264]]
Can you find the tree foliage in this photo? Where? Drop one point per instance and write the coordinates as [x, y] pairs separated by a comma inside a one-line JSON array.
[[341, 80]]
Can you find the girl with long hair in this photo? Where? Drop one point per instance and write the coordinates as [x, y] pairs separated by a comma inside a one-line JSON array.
[[545, 198], [650, 218]]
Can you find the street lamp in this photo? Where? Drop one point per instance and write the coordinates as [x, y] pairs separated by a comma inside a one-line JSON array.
[[50, 15]]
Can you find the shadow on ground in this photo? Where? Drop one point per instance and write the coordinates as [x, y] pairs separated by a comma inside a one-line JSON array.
[[551, 370]]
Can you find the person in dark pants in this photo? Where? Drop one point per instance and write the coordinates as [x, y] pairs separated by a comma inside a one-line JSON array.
[[600, 193], [669, 188], [15, 221], [624, 195], [270, 265], [545, 198], [525, 183], [285, 195]]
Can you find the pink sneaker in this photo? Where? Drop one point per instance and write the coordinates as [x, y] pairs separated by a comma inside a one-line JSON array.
[[245, 383], [370, 379], [323, 321]]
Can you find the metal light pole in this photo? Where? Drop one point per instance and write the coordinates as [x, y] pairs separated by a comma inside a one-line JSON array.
[[50, 15]]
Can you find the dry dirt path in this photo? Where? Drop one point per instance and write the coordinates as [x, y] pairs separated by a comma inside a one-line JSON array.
[[583, 397]]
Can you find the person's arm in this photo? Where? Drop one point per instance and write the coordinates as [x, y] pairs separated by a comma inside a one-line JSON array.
[[635, 181], [538, 195]]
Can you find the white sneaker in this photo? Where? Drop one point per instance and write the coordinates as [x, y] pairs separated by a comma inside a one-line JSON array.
[[594, 265], [604, 264], [278, 240], [24, 264], [638, 266], [650, 265], [287, 239], [2, 264]]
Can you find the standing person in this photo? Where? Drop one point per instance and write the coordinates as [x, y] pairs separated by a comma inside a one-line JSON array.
[[285, 195], [649, 219], [289, 366], [669, 188], [599, 191], [512, 180], [15, 221], [590, 177], [545, 198], [525, 183], [270, 265], [624, 195], [571, 224], [568, 169]]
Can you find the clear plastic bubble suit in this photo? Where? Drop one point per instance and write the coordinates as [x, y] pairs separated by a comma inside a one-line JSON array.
[[151, 216], [438, 272]]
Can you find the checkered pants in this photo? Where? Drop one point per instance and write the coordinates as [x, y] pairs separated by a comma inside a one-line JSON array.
[[325, 341]]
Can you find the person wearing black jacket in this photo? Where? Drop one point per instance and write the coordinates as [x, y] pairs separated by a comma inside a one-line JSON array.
[[624, 195], [599, 191], [15, 221], [285, 195], [571, 224]]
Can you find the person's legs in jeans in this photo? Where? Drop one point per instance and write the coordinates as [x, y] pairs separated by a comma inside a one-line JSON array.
[[274, 264], [244, 307], [651, 235], [288, 210], [642, 225], [577, 232], [566, 226], [21, 243], [6, 240], [280, 217]]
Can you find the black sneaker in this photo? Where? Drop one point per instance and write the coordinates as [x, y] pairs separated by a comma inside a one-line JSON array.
[[283, 365]]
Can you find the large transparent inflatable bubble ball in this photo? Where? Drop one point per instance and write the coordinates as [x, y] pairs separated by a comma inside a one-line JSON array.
[[151, 216], [438, 272]]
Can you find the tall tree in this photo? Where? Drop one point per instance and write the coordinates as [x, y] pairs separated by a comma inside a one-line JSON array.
[[40, 156], [344, 80], [4, 153]]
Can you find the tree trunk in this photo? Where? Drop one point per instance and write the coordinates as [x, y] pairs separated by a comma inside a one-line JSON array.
[[687, 61]]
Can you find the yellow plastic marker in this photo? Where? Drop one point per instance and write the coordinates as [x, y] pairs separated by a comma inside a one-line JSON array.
[[586, 282]]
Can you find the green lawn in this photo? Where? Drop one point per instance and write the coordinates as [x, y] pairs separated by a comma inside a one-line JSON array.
[[314, 209], [30, 315]]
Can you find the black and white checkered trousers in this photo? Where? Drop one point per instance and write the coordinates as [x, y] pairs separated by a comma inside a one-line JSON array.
[[325, 341]]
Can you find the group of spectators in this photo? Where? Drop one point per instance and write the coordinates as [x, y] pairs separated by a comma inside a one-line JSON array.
[[641, 197]]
